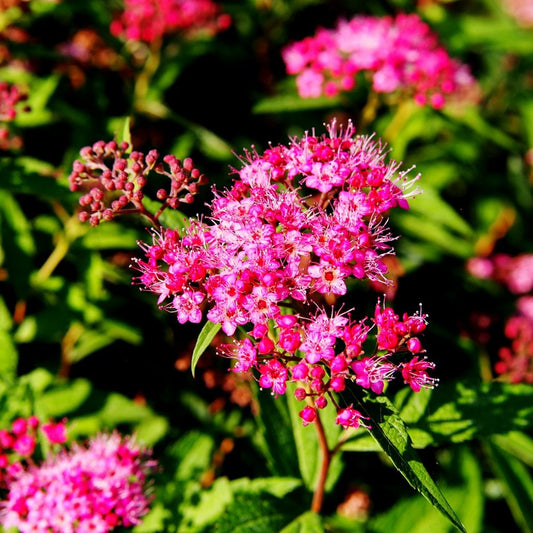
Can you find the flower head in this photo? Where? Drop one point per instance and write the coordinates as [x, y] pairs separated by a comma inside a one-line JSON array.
[[94, 487], [149, 20], [398, 54]]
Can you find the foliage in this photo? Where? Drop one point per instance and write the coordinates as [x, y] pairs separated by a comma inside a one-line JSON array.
[[78, 341]]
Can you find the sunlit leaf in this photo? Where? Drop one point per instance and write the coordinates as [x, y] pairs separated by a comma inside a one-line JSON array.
[[205, 337]]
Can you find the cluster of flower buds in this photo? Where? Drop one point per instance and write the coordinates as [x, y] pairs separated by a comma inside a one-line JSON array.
[[113, 180], [299, 223], [149, 20], [93, 487], [10, 98], [398, 53]]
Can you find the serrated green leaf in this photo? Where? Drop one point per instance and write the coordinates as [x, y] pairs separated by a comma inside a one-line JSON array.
[[260, 513], [205, 337], [390, 433], [463, 411]]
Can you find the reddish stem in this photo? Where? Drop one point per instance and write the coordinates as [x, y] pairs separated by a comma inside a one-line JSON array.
[[318, 496]]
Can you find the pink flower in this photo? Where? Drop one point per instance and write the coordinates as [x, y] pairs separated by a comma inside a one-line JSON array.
[[55, 433], [95, 487], [415, 375], [149, 20], [273, 376], [400, 53], [349, 418]]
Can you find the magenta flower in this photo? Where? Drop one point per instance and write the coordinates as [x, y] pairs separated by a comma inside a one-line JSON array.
[[349, 418], [96, 487], [298, 222], [149, 20], [398, 54], [415, 374]]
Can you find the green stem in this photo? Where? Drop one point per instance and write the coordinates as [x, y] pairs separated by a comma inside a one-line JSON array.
[[403, 112], [150, 67], [72, 230]]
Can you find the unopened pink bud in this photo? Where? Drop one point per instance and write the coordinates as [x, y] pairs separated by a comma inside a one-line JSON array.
[[308, 415], [414, 345], [300, 394]]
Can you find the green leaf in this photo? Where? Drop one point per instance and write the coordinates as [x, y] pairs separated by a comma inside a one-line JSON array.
[[389, 431], [518, 444], [462, 411], [275, 486], [151, 430], [275, 437], [431, 206], [64, 399], [307, 445], [432, 231], [8, 356], [16, 242], [205, 337], [517, 482], [308, 522], [260, 513], [292, 102]]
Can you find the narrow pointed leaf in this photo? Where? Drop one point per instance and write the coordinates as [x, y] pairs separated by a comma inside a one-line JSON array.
[[518, 485], [390, 432], [204, 340]]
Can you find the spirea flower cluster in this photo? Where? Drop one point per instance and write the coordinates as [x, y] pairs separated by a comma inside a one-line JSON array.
[[94, 487], [11, 96], [276, 253], [398, 53], [113, 180], [149, 20], [515, 362]]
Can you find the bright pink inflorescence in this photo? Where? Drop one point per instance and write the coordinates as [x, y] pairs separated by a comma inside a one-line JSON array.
[[516, 274], [399, 54], [113, 181], [94, 487], [149, 20], [11, 96], [298, 224]]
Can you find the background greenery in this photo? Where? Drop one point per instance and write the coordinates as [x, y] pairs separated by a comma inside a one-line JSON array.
[[77, 340]]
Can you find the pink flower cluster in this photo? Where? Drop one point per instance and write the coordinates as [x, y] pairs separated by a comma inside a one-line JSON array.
[[399, 54], [10, 98], [114, 180], [298, 224], [19, 444], [92, 488], [516, 360], [515, 272], [520, 10], [149, 20]]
